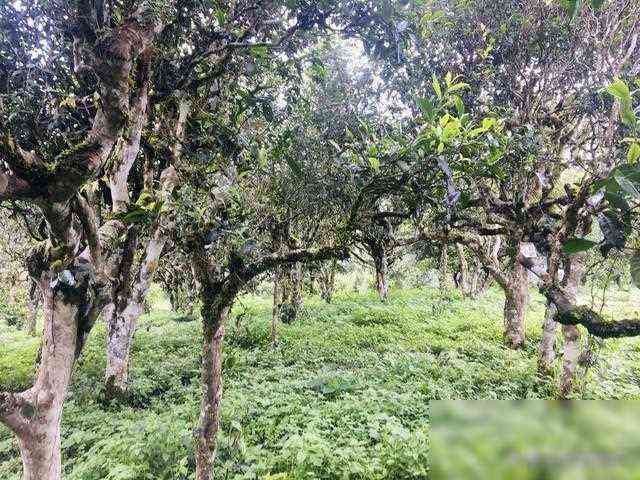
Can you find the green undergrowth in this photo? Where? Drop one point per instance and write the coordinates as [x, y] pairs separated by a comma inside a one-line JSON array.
[[344, 393]]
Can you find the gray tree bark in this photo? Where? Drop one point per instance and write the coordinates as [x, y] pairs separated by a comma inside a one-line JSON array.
[[575, 267], [214, 317]]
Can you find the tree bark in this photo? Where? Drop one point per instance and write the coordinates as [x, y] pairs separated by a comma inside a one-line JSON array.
[[382, 281], [515, 306], [574, 270], [327, 278], [278, 295], [466, 284], [444, 277], [294, 292], [125, 315], [214, 316], [34, 415], [547, 351]]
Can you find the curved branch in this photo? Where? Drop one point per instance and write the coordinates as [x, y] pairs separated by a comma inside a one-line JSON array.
[[10, 405], [570, 314]]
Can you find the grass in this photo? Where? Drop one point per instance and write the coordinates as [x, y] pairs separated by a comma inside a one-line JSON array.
[[343, 395]]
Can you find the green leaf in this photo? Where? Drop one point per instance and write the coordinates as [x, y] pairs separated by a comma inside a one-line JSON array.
[[294, 166], [627, 186], [487, 123], [425, 106], [475, 132], [619, 89], [436, 85], [576, 245], [459, 106], [452, 130], [457, 86], [634, 153], [259, 51], [221, 17], [573, 7], [375, 163], [597, 4]]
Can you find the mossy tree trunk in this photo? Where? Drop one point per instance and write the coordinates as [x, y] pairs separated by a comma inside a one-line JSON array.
[[134, 277], [74, 267], [214, 315], [128, 308]]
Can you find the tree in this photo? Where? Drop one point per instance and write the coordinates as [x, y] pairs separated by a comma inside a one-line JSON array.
[[72, 267]]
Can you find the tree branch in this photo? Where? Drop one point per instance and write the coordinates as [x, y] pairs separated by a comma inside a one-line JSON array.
[[570, 314], [10, 405], [292, 256]]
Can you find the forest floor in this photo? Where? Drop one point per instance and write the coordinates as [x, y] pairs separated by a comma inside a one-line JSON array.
[[343, 395]]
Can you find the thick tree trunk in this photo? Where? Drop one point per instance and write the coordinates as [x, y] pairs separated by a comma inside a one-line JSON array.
[[34, 415], [515, 307], [120, 331], [547, 351], [214, 317], [570, 358], [514, 319], [382, 281]]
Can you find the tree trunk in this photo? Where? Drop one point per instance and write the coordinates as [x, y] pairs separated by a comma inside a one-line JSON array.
[[214, 317], [313, 282], [573, 274], [515, 306], [547, 351], [277, 302], [570, 357], [120, 330], [327, 280], [295, 290], [444, 277], [382, 283], [34, 415], [32, 308], [121, 325], [514, 319], [465, 285]]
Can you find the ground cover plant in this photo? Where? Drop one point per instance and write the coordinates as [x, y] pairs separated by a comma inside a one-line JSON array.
[[344, 394]]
